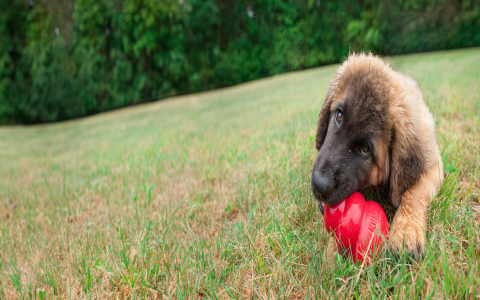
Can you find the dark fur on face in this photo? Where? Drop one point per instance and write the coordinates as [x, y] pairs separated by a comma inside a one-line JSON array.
[[359, 148]]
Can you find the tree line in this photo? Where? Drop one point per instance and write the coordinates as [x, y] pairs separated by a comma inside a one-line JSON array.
[[67, 59]]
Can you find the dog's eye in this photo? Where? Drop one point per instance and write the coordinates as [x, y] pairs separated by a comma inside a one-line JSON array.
[[365, 149], [339, 117]]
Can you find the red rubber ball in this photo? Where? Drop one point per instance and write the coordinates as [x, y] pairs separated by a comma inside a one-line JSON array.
[[360, 227]]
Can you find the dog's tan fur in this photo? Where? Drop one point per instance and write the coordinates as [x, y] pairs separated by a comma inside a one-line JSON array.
[[413, 124]]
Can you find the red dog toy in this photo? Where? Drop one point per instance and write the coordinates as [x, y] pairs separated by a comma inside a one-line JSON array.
[[359, 226]]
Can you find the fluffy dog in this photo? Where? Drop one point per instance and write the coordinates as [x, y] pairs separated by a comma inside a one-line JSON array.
[[374, 129]]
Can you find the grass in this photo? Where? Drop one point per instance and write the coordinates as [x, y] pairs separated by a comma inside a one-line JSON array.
[[208, 195]]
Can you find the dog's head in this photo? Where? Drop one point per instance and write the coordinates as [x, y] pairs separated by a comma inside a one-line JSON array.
[[363, 136]]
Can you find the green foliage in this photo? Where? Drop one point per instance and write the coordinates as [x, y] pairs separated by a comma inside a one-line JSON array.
[[60, 61]]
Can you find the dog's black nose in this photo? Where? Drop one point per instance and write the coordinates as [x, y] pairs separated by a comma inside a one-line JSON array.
[[322, 185]]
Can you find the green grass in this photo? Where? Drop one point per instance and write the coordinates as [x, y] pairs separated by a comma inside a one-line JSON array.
[[208, 195]]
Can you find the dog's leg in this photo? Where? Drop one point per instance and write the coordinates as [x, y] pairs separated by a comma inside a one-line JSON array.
[[410, 221], [329, 254]]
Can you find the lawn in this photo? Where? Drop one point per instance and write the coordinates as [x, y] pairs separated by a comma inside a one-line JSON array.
[[208, 195]]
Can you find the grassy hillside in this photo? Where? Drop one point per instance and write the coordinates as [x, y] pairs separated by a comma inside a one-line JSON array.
[[208, 196]]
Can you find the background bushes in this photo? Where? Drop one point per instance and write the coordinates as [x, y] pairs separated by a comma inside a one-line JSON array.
[[66, 59]]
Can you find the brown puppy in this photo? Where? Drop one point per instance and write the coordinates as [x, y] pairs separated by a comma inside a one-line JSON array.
[[375, 129]]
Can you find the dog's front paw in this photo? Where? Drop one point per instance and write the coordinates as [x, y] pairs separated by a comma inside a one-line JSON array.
[[330, 253], [407, 237]]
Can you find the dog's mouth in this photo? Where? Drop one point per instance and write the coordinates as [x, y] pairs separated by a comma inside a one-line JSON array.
[[320, 201], [337, 195], [322, 198]]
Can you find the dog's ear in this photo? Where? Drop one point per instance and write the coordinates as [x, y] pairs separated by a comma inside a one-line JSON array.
[[407, 160], [324, 116], [323, 120]]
